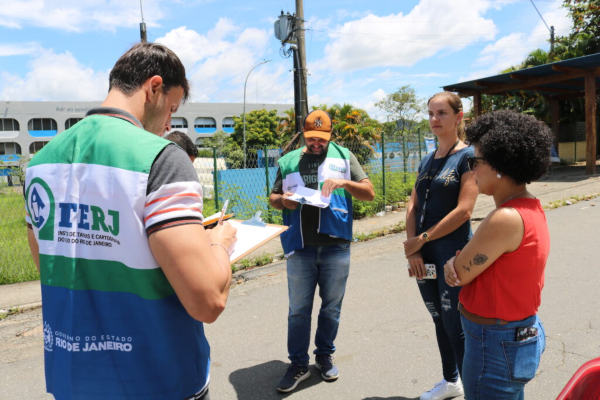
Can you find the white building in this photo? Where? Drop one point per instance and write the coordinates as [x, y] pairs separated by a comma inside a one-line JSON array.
[[26, 126]]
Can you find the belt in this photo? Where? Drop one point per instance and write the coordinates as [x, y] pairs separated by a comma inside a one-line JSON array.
[[480, 320]]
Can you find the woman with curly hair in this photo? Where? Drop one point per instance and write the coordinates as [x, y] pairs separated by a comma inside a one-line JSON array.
[[437, 225], [502, 267]]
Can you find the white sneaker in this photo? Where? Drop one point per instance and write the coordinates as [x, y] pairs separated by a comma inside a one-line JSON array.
[[444, 390]]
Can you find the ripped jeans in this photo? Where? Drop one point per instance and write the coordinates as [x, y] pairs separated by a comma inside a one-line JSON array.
[[441, 301]]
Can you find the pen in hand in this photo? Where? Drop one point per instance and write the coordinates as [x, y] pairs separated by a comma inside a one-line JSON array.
[[223, 211]]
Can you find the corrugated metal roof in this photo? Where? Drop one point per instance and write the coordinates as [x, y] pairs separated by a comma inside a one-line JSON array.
[[571, 85]]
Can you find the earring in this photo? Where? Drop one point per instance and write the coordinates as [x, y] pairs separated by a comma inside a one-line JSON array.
[[498, 175]]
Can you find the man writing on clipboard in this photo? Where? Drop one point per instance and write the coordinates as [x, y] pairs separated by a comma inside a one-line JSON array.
[[128, 273], [317, 243]]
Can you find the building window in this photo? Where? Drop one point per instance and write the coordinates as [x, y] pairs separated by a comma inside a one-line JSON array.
[[205, 125], [228, 125], [9, 124], [178, 123], [70, 122], [10, 148], [36, 146], [42, 127], [9, 128]]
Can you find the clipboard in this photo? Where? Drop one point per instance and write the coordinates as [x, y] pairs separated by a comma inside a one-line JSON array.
[[251, 236]]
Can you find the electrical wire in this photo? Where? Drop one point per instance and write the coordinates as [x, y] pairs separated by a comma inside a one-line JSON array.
[[538, 11]]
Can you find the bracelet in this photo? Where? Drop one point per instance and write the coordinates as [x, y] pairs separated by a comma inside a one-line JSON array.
[[219, 244]]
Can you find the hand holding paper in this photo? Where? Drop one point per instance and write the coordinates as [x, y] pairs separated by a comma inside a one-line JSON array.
[[330, 185], [304, 195]]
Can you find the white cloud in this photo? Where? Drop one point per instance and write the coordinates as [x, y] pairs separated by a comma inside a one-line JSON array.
[[79, 15], [402, 40], [513, 49], [218, 63], [55, 77], [19, 49]]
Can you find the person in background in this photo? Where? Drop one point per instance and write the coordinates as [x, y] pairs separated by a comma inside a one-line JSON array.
[[128, 272], [502, 268], [437, 225], [317, 243], [184, 141]]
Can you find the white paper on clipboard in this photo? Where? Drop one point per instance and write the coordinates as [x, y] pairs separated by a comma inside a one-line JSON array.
[[251, 237], [311, 197]]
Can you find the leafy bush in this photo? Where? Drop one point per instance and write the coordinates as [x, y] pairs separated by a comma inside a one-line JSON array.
[[398, 188]]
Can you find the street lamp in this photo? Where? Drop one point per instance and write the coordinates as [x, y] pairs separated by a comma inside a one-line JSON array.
[[244, 111]]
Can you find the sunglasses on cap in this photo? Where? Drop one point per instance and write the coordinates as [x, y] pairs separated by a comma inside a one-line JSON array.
[[472, 162]]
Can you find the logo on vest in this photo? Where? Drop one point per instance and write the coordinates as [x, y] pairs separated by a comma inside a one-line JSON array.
[[40, 206], [48, 337], [74, 343], [335, 168]]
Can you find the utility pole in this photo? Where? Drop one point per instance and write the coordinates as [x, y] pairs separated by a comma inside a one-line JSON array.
[[290, 30], [552, 39], [143, 36], [301, 58]]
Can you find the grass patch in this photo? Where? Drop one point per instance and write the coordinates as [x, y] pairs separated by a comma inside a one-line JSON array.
[[398, 228], [9, 312], [570, 201], [16, 264], [246, 263]]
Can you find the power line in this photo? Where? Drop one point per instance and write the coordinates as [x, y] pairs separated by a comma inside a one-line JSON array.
[[538, 11]]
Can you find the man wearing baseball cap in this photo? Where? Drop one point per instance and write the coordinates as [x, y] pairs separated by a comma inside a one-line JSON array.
[[317, 243]]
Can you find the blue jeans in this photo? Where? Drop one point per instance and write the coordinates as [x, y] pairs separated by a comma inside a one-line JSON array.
[[327, 267], [495, 365], [441, 301]]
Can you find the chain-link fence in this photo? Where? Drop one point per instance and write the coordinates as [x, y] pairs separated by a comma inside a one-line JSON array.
[[223, 175], [245, 181]]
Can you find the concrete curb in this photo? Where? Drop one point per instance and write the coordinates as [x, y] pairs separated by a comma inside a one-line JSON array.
[[24, 307]]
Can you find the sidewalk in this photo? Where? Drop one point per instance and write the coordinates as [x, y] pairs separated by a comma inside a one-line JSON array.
[[560, 184]]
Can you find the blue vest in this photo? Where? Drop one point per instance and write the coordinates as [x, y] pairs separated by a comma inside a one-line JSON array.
[[335, 220]]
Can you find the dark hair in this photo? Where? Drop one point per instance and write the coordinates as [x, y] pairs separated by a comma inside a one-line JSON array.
[[184, 142], [142, 62], [514, 144], [456, 104]]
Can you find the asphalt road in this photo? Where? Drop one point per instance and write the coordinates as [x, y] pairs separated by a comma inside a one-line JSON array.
[[386, 344]]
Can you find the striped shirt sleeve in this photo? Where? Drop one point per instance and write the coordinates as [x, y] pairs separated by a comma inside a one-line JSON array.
[[174, 195]]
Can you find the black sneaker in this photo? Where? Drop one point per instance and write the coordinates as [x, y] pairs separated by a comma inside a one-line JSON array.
[[294, 375], [329, 371]]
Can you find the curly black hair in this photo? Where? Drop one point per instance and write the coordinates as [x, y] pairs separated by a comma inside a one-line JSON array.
[[514, 144]]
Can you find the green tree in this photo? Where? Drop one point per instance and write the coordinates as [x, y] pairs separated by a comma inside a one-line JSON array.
[[287, 125], [353, 128], [405, 106], [405, 109], [220, 140], [261, 129], [584, 39]]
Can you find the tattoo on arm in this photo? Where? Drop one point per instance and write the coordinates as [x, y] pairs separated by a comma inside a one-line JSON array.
[[467, 268], [480, 259]]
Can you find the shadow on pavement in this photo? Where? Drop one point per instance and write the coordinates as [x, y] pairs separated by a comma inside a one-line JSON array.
[[571, 173], [259, 382]]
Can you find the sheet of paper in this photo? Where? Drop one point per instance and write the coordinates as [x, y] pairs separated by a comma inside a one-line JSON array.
[[312, 197], [251, 237]]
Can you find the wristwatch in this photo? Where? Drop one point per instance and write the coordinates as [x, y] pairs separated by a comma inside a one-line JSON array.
[[425, 236]]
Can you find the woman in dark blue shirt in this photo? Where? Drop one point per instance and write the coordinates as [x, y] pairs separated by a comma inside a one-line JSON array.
[[437, 225]]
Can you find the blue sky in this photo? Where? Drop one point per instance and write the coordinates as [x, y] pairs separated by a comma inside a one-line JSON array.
[[357, 51]]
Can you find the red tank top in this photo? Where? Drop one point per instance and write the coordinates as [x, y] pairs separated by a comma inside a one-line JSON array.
[[511, 287]]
